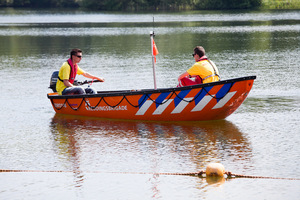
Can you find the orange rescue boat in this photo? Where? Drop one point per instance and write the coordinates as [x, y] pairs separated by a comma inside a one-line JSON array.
[[210, 101]]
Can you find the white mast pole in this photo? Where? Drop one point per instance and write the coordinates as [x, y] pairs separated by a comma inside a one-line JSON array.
[[153, 58]]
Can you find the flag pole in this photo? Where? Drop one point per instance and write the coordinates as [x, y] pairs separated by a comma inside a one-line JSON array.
[[153, 58]]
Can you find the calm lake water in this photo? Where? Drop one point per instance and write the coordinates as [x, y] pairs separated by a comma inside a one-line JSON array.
[[113, 159]]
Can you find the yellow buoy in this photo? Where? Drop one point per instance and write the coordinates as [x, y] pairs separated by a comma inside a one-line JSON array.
[[215, 169]]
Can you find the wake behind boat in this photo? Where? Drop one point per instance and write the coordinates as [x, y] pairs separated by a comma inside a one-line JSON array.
[[210, 101]]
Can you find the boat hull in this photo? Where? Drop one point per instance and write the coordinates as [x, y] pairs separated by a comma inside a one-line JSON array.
[[211, 101]]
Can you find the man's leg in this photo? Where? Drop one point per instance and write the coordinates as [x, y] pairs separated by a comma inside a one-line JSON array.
[[73, 90]]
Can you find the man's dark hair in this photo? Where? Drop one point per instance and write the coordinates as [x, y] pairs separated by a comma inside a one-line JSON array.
[[199, 50], [74, 52]]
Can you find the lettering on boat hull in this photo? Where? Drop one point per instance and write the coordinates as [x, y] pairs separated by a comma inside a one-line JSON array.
[[106, 108], [60, 105]]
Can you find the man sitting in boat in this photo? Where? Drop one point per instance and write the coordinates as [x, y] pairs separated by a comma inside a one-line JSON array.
[[203, 71], [67, 74]]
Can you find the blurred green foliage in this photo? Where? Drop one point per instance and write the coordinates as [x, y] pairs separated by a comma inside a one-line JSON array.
[[135, 5]]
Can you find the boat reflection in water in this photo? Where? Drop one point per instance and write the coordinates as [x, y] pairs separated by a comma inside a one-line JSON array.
[[86, 144]]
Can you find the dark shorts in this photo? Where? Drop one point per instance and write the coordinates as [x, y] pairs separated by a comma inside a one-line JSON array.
[[78, 90]]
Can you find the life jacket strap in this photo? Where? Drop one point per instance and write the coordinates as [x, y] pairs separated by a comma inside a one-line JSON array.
[[60, 79], [70, 72], [210, 76], [215, 74]]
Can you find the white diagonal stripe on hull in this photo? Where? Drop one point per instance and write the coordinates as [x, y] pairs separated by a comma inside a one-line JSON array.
[[224, 100], [204, 101], [181, 105], [144, 107], [162, 107]]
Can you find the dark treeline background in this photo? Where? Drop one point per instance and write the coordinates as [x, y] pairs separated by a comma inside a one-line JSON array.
[[135, 5]]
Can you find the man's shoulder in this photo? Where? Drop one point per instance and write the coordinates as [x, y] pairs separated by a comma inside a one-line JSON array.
[[65, 65], [198, 64], [201, 63]]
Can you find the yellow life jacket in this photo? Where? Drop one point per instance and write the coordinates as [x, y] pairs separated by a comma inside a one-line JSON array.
[[206, 69]]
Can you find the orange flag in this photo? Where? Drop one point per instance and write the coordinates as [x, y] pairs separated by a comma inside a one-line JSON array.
[[155, 51]]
